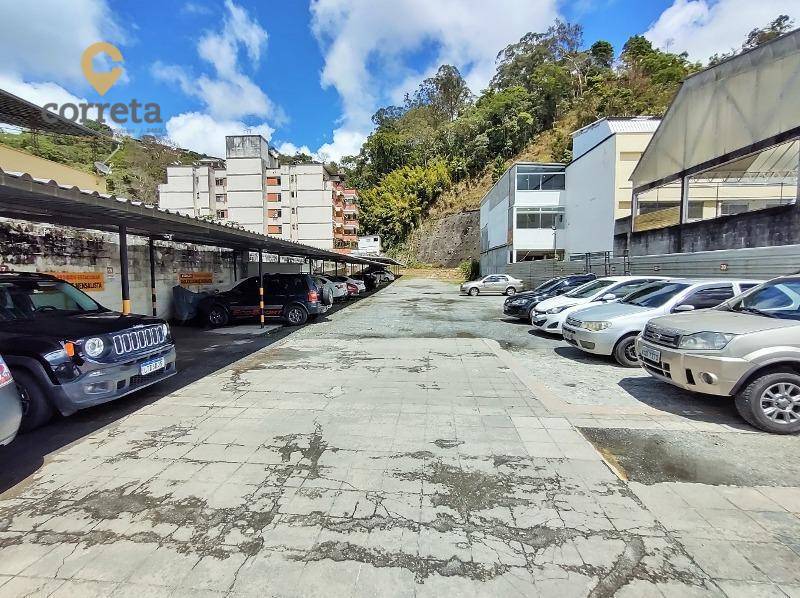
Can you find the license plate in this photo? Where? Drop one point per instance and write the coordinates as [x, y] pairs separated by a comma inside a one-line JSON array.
[[148, 367], [650, 354]]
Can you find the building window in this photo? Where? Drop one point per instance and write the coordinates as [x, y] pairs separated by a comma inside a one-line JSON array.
[[273, 180], [222, 213], [273, 196], [545, 218], [274, 229], [294, 210], [219, 182], [220, 198], [541, 182]]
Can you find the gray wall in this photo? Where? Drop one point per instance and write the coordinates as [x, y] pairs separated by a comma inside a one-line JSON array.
[[495, 260], [759, 263], [27, 247], [765, 228]]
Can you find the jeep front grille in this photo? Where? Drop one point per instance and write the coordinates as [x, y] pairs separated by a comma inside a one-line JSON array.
[[137, 340]]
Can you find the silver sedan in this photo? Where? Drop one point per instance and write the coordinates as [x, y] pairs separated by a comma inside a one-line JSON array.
[[10, 406], [493, 283]]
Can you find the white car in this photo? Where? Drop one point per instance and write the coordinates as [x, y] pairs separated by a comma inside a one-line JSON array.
[[339, 289], [611, 329], [359, 284], [493, 283], [549, 315]]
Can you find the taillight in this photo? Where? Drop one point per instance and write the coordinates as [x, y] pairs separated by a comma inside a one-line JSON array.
[[313, 297], [5, 374]]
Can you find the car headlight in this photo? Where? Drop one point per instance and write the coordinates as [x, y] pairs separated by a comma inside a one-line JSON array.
[[705, 340], [94, 347], [165, 330], [596, 326], [559, 309]]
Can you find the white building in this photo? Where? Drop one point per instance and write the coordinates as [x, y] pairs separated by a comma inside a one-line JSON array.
[[604, 155], [536, 211], [522, 216], [196, 190], [369, 245], [306, 203]]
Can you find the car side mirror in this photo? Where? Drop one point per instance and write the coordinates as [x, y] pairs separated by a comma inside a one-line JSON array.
[[608, 297], [684, 307]]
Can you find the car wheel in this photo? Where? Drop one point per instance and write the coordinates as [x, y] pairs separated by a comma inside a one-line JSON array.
[[36, 409], [625, 352], [771, 403], [473, 291], [511, 291], [296, 315], [218, 316]]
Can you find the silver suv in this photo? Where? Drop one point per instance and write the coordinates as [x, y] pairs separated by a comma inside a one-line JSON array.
[[747, 347]]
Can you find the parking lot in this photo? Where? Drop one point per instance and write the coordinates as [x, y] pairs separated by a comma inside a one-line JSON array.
[[414, 443]]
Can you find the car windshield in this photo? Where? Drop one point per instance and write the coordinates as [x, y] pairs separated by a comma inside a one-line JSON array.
[[547, 285], [30, 299], [589, 289], [654, 295], [777, 299]]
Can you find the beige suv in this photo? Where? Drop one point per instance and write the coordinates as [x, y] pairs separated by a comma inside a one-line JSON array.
[[748, 348]]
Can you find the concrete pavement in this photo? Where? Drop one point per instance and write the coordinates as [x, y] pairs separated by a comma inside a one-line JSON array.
[[396, 448]]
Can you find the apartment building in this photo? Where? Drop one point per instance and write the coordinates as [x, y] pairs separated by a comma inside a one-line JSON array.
[[196, 190], [306, 203]]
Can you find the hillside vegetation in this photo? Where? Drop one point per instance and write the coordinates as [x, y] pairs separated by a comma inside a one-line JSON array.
[[440, 151]]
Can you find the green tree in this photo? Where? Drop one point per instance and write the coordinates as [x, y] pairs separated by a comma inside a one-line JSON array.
[[446, 92]]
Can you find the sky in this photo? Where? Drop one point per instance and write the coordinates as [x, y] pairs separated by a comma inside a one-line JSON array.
[[308, 74]]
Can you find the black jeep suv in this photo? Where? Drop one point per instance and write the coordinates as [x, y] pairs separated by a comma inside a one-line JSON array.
[[295, 298], [67, 352]]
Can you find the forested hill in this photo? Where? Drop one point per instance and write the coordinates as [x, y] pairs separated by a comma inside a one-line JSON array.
[[440, 151]]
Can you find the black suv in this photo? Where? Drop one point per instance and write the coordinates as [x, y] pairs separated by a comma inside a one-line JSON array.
[[67, 352], [295, 298], [521, 305]]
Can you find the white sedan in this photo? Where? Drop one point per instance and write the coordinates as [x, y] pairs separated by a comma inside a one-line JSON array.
[[550, 314]]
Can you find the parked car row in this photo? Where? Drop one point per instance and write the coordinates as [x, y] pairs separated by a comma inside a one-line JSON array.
[[737, 338], [61, 351]]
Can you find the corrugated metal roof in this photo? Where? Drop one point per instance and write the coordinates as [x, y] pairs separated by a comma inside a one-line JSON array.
[[742, 105], [22, 113], [24, 197], [639, 124]]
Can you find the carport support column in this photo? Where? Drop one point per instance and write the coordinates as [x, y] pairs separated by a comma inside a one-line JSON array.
[[123, 267], [152, 251], [261, 289]]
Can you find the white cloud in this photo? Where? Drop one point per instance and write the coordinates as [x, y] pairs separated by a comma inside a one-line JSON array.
[[288, 148], [227, 93], [205, 134], [705, 27], [367, 47], [45, 39]]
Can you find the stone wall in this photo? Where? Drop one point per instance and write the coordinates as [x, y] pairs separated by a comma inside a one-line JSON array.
[[449, 240]]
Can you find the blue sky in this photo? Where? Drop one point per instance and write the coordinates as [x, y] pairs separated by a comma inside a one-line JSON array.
[[309, 74]]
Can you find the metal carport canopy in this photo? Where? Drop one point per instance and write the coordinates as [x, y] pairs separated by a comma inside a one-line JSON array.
[[26, 198], [22, 113], [738, 107]]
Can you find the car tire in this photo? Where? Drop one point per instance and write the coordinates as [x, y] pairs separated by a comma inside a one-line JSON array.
[[769, 388], [295, 315], [625, 352], [531, 315], [511, 291], [473, 292], [217, 316], [36, 409]]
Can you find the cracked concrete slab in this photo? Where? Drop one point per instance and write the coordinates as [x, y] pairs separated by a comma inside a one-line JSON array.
[[395, 449]]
